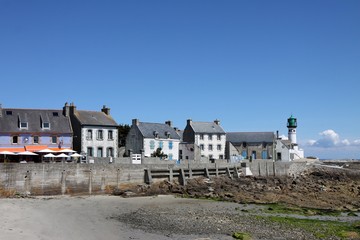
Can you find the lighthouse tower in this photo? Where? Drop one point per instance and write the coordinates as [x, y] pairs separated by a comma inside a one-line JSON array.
[[292, 124]]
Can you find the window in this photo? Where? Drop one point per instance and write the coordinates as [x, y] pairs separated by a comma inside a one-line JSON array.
[[211, 156], [100, 135], [219, 137], [99, 152], [170, 145], [8, 112], [90, 152], [89, 134], [264, 154], [110, 152], [23, 125], [221, 156], [110, 135], [54, 139], [36, 139], [210, 137], [201, 136], [152, 144], [201, 146], [161, 144], [46, 125], [15, 139], [55, 114], [170, 156], [244, 154], [210, 147], [219, 147]]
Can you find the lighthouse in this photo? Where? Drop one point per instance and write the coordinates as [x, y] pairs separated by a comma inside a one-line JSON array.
[[291, 125]]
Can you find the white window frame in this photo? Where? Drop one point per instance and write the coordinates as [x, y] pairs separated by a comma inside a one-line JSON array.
[[43, 125], [21, 127], [110, 135], [100, 135]]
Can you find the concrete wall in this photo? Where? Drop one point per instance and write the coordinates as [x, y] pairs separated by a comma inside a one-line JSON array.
[[102, 177]]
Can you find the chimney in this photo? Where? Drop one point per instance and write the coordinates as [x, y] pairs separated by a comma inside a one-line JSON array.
[[169, 123], [66, 110], [217, 122], [189, 121], [135, 122], [72, 108], [105, 110]]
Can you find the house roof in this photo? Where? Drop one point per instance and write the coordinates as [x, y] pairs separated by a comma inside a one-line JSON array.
[[206, 127], [238, 137], [148, 129], [10, 119], [94, 118]]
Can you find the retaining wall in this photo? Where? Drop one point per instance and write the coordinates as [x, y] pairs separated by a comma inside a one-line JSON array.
[[102, 177]]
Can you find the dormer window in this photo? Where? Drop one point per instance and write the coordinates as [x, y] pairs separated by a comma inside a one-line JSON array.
[[8, 112], [23, 125], [167, 134], [55, 114], [46, 125], [156, 134]]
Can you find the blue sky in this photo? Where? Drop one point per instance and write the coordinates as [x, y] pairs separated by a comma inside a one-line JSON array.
[[250, 64]]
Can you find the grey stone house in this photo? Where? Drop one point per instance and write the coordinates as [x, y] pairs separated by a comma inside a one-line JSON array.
[[144, 138], [95, 132], [257, 145], [206, 139]]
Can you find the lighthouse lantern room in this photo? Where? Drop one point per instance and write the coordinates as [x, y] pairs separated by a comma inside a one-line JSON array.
[[292, 124]]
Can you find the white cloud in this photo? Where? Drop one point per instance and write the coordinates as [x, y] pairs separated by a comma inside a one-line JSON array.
[[329, 138], [330, 145], [283, 137], [311, 142]]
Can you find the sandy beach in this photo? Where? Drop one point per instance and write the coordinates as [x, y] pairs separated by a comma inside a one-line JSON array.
[[77, 218], [160, 217]]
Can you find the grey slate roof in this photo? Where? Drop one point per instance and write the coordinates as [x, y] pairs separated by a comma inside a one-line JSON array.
[[206, 127], [147, 130], [34, 119], [94, 118], [256, 137]]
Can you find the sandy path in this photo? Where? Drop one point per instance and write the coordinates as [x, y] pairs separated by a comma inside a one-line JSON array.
[[79, 218]]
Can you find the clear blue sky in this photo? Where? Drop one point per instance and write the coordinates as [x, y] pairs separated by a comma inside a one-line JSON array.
[[250, 64]]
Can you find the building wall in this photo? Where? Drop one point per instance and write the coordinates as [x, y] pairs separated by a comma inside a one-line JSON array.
[[206, 141], [189, 152], [151, 144], [283, 150], [231, 150], [134, 141], [95, 143], [66, 140], [188, 134]]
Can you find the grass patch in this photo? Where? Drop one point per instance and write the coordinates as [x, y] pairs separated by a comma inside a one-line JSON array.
[[241, 235], [320, 229], [284, 209]]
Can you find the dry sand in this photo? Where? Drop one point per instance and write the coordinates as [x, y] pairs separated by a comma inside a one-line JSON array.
[[77, 218]]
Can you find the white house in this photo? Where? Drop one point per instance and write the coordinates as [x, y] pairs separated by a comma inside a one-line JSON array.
[[145, 138], [95, 132], [208, 137]]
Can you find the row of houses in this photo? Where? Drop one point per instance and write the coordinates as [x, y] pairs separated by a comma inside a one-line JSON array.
[[95, 134]]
